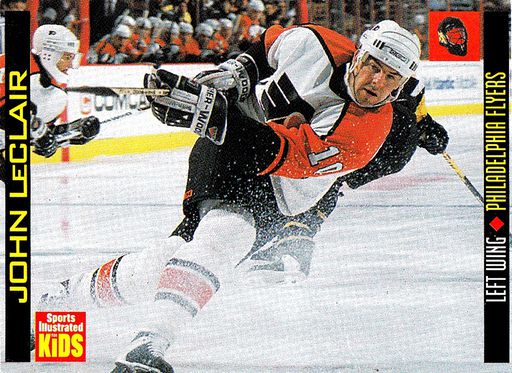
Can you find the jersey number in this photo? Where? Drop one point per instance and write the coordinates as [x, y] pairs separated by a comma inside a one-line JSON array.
[[316, 158]]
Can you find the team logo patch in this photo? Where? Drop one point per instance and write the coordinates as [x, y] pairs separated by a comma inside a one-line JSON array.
[[454, 36], [188, 194]]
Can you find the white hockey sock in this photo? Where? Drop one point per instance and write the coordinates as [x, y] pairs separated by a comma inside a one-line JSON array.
[[128, 279], [199, 268]]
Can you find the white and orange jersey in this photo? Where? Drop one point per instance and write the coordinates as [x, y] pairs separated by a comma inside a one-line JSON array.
[[309, 65], [50, 98]]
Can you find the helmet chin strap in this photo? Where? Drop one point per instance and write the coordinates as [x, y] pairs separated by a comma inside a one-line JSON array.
[[51, 66], [45, 79]]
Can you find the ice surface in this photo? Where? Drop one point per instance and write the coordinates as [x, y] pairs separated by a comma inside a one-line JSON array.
[[395, 285]]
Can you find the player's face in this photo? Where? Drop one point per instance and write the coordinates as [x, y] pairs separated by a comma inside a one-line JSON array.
[[226, 32], [118, 41], [18, 6], [374, 81], [65, 62]]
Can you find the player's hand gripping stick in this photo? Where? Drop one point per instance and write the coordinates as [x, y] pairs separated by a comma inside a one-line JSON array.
[[191, 105]]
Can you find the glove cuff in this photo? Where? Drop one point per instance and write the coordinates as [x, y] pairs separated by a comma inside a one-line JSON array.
[[245, 73], [250, 66]]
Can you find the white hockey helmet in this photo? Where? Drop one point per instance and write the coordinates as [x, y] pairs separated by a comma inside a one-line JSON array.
[[214, 23], [125, 20], [175, 29], [393, 45], [226, 23], [256, 30], [186, 28], [50, 42], [256, 5], [143, 23], [123, 31], [204, 29]]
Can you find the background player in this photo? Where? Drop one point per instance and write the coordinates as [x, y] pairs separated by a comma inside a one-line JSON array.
[[54, 52]]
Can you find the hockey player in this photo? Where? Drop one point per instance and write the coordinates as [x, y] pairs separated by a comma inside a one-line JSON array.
[[54, 52], [263, 171], [249, 182], [190, 50], [283, 252]]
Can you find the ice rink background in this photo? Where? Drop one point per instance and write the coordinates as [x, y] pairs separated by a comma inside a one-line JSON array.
[[396, 283]]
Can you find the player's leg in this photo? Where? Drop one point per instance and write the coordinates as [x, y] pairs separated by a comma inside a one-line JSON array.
[[204, 265], [122, 280], [283, 250], [189, 281]]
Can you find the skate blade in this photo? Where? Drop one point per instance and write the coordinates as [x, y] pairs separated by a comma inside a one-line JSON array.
[[131, 367], [269, 277]]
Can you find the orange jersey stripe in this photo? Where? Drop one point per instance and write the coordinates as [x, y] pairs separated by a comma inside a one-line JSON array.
[[338, 45], [272, 34], [353, 143]]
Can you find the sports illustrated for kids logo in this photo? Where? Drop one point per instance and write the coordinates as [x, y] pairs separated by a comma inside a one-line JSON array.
[[230, 186]]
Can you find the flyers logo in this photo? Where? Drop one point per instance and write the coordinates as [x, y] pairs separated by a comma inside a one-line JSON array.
[[188, 194]]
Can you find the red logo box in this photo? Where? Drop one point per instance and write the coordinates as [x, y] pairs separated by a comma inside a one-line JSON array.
[[60, 336], [464, 25]]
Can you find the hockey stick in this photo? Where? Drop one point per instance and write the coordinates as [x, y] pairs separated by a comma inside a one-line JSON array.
[[116, 91], [466, 182], [64, 137], [463, 177]]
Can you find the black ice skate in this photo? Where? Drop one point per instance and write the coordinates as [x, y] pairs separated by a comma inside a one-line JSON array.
[[145, 354], [286, 259]]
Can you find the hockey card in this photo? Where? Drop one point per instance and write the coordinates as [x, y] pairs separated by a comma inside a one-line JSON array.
[[255, 186]]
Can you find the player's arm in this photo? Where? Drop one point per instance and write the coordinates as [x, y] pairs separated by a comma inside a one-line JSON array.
[[238, 77], [47, 137], [432, 135], [290, 152], [395, 153], [304, 154]]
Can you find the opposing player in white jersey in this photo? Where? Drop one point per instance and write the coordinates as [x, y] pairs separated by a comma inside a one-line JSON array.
[[54, 52]]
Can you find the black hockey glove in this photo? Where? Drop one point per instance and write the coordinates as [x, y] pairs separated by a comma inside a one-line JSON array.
[[433, 136], [41, 136], [45, 145], [188, 104], [235, 77], [78, 132]]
